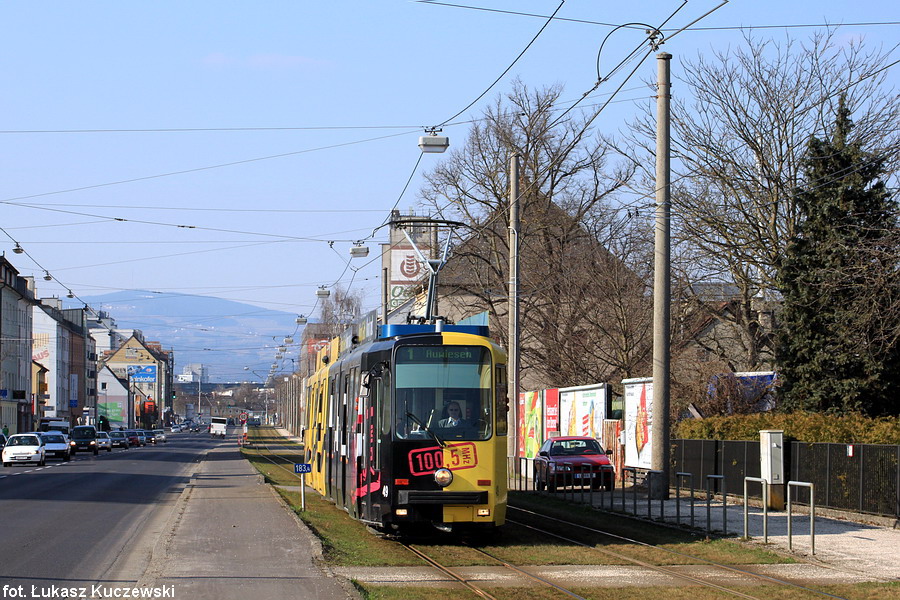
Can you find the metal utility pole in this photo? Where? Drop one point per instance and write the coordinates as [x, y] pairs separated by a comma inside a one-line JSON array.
[[662, 289], [513, 304]]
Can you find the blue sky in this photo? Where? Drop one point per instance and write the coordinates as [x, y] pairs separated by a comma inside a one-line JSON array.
[[282, 126]]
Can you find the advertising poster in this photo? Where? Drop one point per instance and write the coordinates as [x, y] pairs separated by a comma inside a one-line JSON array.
[[406, 271], [114, 411], [582, 410], [531, 417], [551, 410], [638, 419]]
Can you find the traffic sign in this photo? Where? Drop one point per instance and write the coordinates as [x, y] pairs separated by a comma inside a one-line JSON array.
[[301, 468]]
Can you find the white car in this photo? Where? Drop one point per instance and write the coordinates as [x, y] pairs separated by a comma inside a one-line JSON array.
[[24, 448], [159, 436], [104, 442], [56, 444]]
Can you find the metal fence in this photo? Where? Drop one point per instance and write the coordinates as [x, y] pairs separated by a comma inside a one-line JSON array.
[[859, 477]]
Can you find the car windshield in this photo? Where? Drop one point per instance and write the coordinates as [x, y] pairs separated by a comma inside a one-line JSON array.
[[116, 434], [54, 439], [102, 434], [83, 434], [24, 440], [157, 431], [575, 448]]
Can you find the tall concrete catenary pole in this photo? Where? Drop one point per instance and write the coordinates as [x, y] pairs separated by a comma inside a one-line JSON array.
[[662, 290], [513, 304]]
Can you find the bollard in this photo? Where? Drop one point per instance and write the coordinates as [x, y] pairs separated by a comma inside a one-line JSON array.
[[765, 492], [812, 513], [678, 477]]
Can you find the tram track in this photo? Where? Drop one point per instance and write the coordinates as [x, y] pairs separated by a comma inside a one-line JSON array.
[[268, 452], [659, 568]]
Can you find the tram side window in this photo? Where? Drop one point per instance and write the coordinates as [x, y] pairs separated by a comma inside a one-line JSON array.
[[501, 394]]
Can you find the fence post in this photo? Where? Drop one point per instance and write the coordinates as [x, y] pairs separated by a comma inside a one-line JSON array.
[[633, 472], [678, 477], [709, 495]]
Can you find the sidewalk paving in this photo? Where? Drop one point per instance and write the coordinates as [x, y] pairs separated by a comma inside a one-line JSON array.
[[231, 538]]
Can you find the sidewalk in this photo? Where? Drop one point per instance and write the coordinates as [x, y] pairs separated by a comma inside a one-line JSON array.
[[863, 549], [231, 538]]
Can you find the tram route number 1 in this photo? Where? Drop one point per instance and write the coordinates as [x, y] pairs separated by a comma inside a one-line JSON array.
[[455, 457]]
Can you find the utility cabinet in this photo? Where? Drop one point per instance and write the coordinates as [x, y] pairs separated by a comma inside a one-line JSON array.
[[771, 457]]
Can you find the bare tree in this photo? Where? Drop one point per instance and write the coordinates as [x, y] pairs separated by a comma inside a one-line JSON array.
[[739, 132], [584, 309], [339, 310]]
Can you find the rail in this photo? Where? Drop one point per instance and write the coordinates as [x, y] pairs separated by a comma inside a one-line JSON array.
[[812, 513], [765, 495]]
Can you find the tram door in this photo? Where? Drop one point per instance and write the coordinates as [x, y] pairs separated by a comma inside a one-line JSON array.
[[374, 405]]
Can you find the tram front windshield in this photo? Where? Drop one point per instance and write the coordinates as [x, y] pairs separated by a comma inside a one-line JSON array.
[[445, 390]]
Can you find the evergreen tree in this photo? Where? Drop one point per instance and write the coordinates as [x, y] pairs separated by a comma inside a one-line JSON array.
[[840, 279]]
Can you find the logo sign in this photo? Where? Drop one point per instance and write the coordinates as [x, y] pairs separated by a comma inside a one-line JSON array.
[[142, 373], [301, 468], [454, 457], [244, 417]]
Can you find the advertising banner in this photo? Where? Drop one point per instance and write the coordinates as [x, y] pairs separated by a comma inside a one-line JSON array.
[[531, 430], [406, 271], [142, 373], [114, 411], [551, 410], [582, 410], [638, 419]]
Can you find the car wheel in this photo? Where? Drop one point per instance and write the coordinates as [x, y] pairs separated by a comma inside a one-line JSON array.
[[551, 486], [67, 456], [6, 464], [109, 449], [96, 451], [42, 462]]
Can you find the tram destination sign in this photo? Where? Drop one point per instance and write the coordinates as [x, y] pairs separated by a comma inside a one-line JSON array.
[[442, 354]]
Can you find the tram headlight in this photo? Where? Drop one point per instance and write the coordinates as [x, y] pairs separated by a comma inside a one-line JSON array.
[[443, 477]]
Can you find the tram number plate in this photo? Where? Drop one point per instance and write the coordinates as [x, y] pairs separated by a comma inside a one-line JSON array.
[[455, 457]]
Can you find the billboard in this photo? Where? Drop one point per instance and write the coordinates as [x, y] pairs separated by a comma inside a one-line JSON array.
[[142, 373], [406, 271], [638, 420], [582, 410], [530, 424]]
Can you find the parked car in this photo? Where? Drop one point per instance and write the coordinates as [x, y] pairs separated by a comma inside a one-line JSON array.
[[160, 436], [134, 439], [569, 461], [56, 445], [24, 448], [119, 439], [84, 439], [104, 442]]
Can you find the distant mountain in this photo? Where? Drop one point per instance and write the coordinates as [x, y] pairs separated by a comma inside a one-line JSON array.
[[222, 334]]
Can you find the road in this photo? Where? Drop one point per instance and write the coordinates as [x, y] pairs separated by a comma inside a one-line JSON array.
[[92, 519]]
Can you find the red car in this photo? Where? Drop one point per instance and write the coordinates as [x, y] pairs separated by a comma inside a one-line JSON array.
[[571, 461]]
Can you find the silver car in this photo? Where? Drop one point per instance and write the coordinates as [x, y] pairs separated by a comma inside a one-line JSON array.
[[159, 436], [104, 442], [56, 444]]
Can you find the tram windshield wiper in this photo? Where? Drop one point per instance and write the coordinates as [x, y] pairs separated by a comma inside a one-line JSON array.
[[426, 429]]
